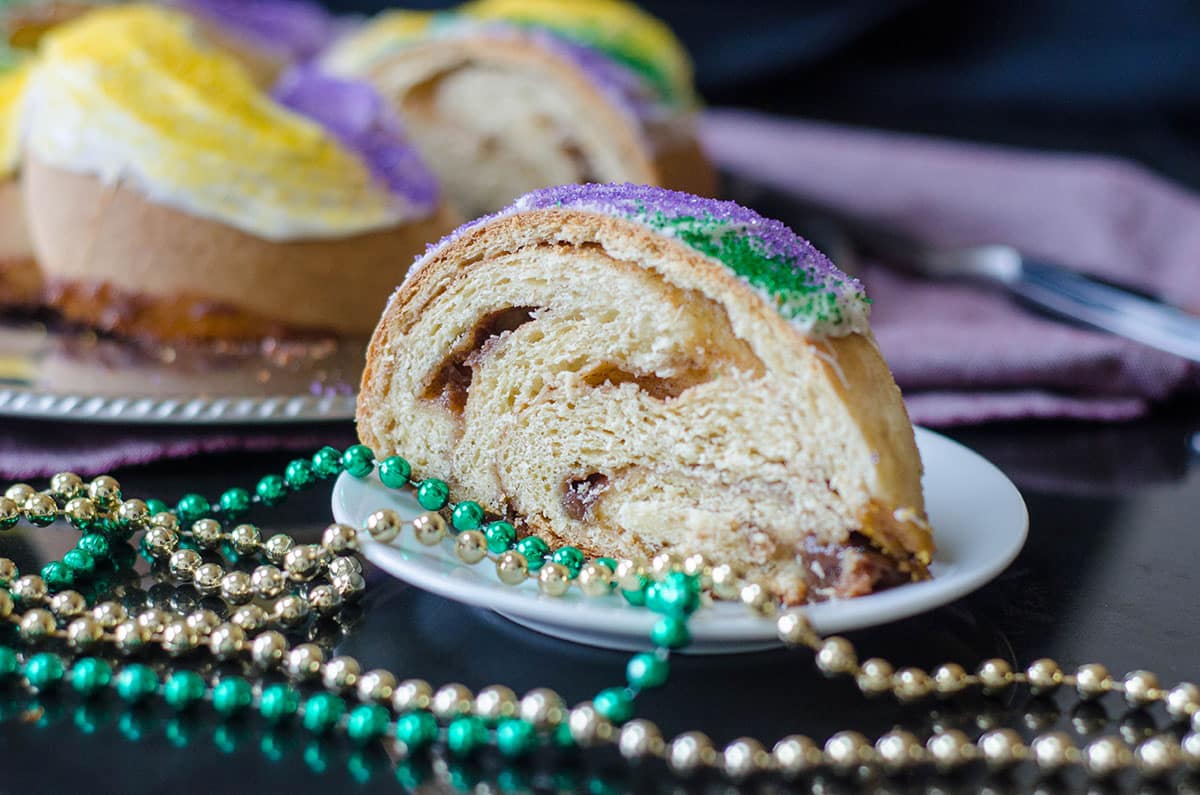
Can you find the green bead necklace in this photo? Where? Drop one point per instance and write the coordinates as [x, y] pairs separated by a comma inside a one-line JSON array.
[[200, 543]]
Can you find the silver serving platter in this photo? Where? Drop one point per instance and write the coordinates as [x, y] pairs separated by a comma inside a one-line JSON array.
[[48, 371]]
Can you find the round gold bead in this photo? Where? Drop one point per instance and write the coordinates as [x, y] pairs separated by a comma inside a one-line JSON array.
[[179, 638], [689, 752], [412, 694], [796, 755], [875, 677], [836, 656], [183, 563], [740, 758], [245, 539], [1105, 757], [344, 566], [512, 568], [726, 581], [68, 604], [226, 641], [1190, 749], [554, 579], [340, 673], [1092, 681], [109, 614], [899, 750], [153, 619], [1158, 757], [130, 637], [377, 685], [277, 547], [912, 684], [585, 725], [37, 624], [543, 708], [995, 675], [83, 633], [847, 750], [19, 492], [349, 586], [429, 528], [66, 485], [639, 738], [267, 649], [290, 611], [471, 546], [1051, 751], [207, 533], [595, 579], [629, 574], [304, 661], [250, 618], [1044, 675], [104, 490], [1141, 688], [8, 571], [384, 525], [1001, 748], [29, 590], [166, 520], [664, 563], [338, 538], [6, 604], [40, 510], [496, 702], [696, 565], [207, 578], [80, 512], [757, 599], [160, 541], [324, 599], [452, 700], [1183, 701], [237, 588], [268, 581], [203, 621], [794, 629], [950, 750], [134, 514], [10, 511]]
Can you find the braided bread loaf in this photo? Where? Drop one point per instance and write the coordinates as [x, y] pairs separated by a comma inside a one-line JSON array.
[[629, 369]]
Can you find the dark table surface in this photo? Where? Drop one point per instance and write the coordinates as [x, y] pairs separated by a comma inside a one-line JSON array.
[[1111, 574]]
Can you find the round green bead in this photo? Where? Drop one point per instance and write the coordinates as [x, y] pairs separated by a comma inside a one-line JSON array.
[[89, 674], [183, 688], [9, 664], [671, 632], [535, 550], [515, 737], [96, 544], [278, 702], [57, 575], [569, 557], [299, 474], [500, 536], [677, 594], [235, 502], [322, 711], [637, 597], [394, 472], [271, 489], [44, 670], [327, 462], [433, 494], [464, 735], [562, 736], [136, 682], [80, 561], [232, 694], [157, 506], [646, 670], [416, 729], [467, 515], [358, 460], [192, 508], [614, 705], [366, 723]]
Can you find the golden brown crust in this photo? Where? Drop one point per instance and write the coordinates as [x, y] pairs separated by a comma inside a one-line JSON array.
[[20, 278], [89, 234]]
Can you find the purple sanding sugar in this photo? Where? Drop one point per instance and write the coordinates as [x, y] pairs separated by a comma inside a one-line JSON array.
[[297, 29], [355, 114]]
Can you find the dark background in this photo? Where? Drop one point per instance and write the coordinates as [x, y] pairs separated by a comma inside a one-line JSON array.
[[1116, 76]]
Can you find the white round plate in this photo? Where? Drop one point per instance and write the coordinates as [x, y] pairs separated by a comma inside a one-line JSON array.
[[979, 521]]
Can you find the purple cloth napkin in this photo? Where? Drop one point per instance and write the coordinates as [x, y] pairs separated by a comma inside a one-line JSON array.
[[966, 354]]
